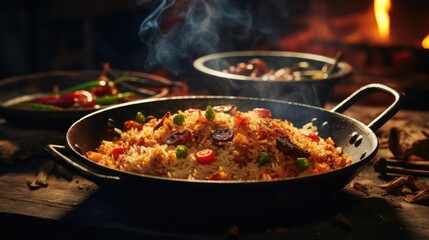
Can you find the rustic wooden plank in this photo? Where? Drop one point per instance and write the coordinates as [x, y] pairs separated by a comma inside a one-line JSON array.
[[55, 200]]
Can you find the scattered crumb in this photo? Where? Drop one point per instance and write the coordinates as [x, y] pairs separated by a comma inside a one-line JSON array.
[[360, 187], [342, 222]]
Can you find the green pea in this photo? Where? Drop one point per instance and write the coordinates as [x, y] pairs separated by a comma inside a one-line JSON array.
[[263, 158], [302, 163], [178, 119], [140, 117], [209, 114], [181, 151]]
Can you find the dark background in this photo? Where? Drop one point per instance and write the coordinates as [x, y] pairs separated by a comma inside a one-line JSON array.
[[60, 35], [51, 35]]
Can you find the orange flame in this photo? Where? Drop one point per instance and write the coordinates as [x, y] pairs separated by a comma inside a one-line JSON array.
[[425, 42], [381, 11]]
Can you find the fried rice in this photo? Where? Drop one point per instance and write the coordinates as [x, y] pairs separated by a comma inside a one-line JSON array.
[[250, 145]]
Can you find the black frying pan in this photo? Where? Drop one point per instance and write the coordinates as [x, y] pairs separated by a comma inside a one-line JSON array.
[[356, 138], [29, 86]]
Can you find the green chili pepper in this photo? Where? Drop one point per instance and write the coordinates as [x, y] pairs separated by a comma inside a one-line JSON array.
[[111, 99], [302, 163], [81, 86], [209, 114], [178, 119], [121, 78], [140, 117], [181, 151], [36, 106], [263, 158], [90, 84]]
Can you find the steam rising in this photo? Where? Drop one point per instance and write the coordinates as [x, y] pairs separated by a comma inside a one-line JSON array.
[[205, 26]]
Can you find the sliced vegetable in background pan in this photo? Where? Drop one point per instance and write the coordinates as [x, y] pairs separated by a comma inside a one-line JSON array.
[[27, 100]]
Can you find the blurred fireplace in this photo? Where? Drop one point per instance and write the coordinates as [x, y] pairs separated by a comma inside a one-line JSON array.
[[52, 35], [395, 57]]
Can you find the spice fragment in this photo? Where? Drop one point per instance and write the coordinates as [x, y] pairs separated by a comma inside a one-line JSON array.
[[342, 222]]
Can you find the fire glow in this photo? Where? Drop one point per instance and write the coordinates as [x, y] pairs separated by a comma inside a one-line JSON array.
[[381, 11], [425, 42]]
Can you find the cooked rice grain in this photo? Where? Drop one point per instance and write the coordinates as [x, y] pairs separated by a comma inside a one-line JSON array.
[[145, 150]]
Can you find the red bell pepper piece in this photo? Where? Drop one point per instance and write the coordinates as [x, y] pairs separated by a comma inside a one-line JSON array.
[[118, 151], [263, 112], [80, 98], [313, 136]]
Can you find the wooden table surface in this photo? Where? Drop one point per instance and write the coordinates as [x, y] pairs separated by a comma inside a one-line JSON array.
[[68, 208]]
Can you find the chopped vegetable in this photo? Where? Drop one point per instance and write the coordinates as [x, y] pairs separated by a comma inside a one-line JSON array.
[[209, 113], [263, 112], [80, 86], [178, 119], [312, 136], [302, 163], [112, 99], [241, 120], [106, 87], [36, 106], [118, 151], [263, 158], [89, 94], [80, 98], [181, 151], [100, 87], [205, 156], [140, 118]]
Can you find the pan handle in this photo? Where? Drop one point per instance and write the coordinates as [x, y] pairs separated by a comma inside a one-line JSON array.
[[383, 117], [55, 151]]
